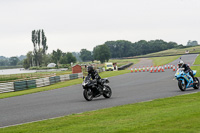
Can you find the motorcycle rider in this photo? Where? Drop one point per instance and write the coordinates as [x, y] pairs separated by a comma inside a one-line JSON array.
[[187, 69], [95, 77]]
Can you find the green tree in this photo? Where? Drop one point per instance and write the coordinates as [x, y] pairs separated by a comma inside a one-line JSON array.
[[192, 43], [67, 58], [101, 53], [86, 55], [70, 58], [13, 61], [26, 64], [56, 56], [39, 39]]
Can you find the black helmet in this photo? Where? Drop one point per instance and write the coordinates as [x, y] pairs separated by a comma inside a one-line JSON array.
[[90, 69]]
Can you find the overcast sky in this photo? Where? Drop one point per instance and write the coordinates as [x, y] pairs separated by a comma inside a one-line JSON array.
[[71, 25]]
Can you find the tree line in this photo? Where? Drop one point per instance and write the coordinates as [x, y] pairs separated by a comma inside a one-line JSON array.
[[123, 48], [12, 61], [110, 49]]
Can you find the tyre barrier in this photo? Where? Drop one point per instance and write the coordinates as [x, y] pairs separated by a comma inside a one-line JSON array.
[[52, 80], [6, 87], [40, 82], [73, 76], [29, 84], [20, 85], [80, 75], [64, 77]]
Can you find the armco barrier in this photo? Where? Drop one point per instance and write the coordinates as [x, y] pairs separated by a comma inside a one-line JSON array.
[[125, 66], [6, 87]]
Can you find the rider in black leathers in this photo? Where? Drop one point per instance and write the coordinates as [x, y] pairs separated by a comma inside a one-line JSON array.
[[95, 77], [187, 69]]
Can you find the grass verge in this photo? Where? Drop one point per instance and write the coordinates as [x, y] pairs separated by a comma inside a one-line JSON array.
[[198, 70], [197, 61], [175, 114], [164, 60], [59, 85]]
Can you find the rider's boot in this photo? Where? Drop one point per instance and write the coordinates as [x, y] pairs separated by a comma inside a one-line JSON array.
[[195, 81]]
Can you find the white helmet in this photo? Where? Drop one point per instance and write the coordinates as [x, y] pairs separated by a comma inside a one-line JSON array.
[[180, 63]]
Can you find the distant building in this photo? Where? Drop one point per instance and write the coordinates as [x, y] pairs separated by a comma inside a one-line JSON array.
[[76, 69]]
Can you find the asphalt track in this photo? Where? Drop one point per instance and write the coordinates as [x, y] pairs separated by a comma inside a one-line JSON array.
[[128, 88]]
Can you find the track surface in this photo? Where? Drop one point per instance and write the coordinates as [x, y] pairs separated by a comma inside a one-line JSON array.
[[127, 88]]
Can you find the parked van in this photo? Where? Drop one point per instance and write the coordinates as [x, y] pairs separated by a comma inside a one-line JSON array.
[[109, 66]]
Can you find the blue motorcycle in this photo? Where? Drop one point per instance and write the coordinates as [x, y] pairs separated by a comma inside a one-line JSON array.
[[185, 80]]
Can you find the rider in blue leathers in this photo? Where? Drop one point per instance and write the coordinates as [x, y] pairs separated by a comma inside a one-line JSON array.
[[187, 69]]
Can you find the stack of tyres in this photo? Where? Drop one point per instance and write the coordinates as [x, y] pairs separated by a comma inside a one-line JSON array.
[[20, 85], [52, 80], [40, 82], [31, 84], [64, 77], [57, 79], [6, 87], [73, 76], [46, 81], [80, 75]]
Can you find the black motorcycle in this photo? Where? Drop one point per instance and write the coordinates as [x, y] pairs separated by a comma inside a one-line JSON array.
[[92, 90]]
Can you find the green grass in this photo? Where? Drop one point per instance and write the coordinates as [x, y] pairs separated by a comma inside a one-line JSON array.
[[198, 70], [197, 61], [59, 85], [164, 60], [178, 114]]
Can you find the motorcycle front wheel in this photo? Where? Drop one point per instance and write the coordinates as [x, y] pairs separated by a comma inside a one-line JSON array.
[[181, 86], [88, 94], [196, 85], [107, 92]]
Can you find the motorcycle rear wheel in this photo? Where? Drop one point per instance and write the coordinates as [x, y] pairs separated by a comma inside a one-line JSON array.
[[88, 94], [107, 92], [196, 85], [181, 86]]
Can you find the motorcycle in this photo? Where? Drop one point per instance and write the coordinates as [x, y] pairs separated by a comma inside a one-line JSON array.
[[92, 90], [185, 80]]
